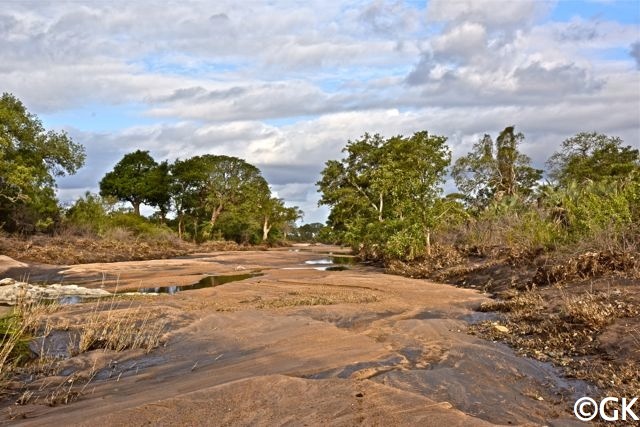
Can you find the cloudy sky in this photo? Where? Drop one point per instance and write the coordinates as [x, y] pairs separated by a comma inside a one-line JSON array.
[[285, 84]]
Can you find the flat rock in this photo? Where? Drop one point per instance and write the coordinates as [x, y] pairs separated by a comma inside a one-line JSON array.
[[12, 293]]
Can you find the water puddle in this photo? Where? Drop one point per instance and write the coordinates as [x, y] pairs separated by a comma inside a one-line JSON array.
[[332, 260], [328, 263], [207, 282]]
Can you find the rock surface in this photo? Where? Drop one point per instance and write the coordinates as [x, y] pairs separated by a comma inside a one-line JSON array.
[[12, 291]]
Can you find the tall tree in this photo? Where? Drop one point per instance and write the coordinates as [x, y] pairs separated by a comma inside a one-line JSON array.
[[383, 187], [494, 170], [229, 181], [593, 156], [132, 180], [30, 160], [206, 187], [275, 213]]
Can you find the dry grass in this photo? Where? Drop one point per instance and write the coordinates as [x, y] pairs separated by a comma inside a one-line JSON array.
[[17, 330], [110, 325], [120, 329], [296, 299], [564, 326], [118, 245]]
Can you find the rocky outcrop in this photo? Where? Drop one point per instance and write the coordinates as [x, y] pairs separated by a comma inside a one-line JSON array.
[[12, 291]]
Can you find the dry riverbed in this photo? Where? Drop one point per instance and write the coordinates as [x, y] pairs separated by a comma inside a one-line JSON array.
[[294, 344]]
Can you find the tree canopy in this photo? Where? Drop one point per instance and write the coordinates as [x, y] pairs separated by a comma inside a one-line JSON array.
[[493, 170], [593, 156], [136, 179], [30, 159], [386, 187]]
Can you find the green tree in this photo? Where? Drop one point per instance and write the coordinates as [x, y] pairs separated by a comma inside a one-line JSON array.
[[386, 188], [593, 156], [309, 232], [134, 179], [219, 194], [495, 170], [30, 160], [275, 213], [231, 181], [187, 190]]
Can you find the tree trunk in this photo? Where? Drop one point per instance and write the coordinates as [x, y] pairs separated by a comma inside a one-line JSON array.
[[427, 235], [380, 208], [180, 227], [266, 228], [215, 214], [136, 207]]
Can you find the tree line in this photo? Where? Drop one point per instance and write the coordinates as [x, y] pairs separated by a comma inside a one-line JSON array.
[[202, 197], [387, 200], [212, 196]]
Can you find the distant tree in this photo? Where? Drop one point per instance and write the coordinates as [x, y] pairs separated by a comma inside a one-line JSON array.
[[219, 194], [593, 156], [310, 232], [30, 160], [187, 190], [134, 179], [275, 213], [230, 181], [495, 170], [160, 194]]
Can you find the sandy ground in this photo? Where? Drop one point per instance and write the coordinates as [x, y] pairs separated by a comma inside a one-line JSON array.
[[298, 346]]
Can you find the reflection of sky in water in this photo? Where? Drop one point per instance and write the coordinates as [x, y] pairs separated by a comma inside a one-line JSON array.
[[319, 261]]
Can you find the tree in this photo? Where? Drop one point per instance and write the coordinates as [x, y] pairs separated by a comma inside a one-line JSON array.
[[593, 156], [160, 194], [134, 179], [385, 188], [309, 232], [275, 213], [495, 170], [229, 181], [219, 194], [30, 160], [187, 189]]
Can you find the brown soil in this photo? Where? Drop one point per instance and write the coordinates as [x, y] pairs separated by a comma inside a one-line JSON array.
[[294, 346]]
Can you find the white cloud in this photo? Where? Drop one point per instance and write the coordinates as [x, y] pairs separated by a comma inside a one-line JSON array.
[[286, 84]]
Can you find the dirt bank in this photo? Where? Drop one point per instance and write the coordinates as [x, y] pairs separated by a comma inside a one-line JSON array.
[[296, 345], [580, 311]]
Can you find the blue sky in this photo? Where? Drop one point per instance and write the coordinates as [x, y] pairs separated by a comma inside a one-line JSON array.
[[285, 84]]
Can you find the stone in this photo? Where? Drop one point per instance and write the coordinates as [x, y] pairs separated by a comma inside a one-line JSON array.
[[500, 328]]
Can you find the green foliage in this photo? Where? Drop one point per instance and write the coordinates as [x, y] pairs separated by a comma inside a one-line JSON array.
[[310, 233], [595, 206], [97, 215], [89, 213], [137, 179], [136, 224], [495, 170], [387, 190], [30, 159], [593, 156]]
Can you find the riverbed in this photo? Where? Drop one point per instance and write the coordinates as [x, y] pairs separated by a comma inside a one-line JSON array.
[[294, 342]]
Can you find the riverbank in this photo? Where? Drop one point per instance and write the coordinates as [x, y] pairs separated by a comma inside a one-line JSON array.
[[577, 310]]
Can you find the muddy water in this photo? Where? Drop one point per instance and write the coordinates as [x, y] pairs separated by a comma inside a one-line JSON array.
[[302, 346], [206, 282]]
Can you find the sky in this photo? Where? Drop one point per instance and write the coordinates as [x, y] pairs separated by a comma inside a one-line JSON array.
[[285, 84]]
